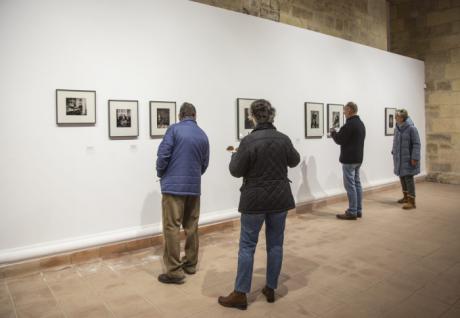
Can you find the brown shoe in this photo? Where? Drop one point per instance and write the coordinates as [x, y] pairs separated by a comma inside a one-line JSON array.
[[189, 270], [410, 204], [346, 216], [234, 300], [404, 198], [269, 294], [166, 279]]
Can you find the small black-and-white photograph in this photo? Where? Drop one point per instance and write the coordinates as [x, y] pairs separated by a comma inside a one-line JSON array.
[[248, 123], [314, 119], [390, 121], [123, 118], [335, 119], [163, 117], [75, 106]]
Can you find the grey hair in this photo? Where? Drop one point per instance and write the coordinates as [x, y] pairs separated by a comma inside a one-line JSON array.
[[187, 110], [353, 107], [402, 113], [262, 111]]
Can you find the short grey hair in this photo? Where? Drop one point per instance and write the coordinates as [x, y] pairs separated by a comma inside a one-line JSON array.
[[262, 111], [353, 107], [402, 113], [187, 110]]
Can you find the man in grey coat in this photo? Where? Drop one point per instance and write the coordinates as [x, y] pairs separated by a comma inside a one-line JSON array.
[[406, 156]]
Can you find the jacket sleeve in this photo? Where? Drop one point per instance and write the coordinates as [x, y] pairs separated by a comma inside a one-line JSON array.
[[343, 135], [415, 142], [165, 151], [239, 164], [293, 157], [205, 162]]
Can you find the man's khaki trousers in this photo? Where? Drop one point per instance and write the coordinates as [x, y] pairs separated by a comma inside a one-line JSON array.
[[180, 210]]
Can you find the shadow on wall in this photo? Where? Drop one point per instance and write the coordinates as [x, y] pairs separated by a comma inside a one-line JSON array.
[[310, 188], [151, 209]]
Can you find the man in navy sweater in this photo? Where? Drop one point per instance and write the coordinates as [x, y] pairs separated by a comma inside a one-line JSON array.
[[351, 140], [182, 158]]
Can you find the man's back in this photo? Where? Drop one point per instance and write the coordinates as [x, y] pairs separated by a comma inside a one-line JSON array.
[[183, 157], [351, 140]]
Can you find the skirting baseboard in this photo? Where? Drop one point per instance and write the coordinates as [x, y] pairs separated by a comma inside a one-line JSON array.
[[109, 244]]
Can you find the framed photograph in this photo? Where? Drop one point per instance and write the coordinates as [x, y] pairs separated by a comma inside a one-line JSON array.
[[75, 107], [314, 120], [123, 119], [335, 118], [245, 124], [390, 121], [162, 115]]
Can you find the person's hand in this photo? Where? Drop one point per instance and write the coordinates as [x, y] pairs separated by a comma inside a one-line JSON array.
[[232, 149], [413, 162]]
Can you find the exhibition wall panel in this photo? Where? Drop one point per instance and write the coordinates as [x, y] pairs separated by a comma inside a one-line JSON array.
[[71, 187]]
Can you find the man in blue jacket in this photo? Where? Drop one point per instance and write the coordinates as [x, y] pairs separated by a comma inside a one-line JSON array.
[[182, 158]]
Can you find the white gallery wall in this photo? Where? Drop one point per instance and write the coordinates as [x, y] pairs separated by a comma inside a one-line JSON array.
[[71, 187]]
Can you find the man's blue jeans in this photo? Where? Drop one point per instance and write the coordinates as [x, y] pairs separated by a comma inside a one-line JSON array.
[[249, 235], [352, 185]]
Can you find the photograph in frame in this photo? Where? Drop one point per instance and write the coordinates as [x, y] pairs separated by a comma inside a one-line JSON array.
[[244, 122], [390, 121], [123, 119], [75, 107], [314, 120], [335, 117], [162, 115]]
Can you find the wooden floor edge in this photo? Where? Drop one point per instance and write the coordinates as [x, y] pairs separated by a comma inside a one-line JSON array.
[[95, 253]]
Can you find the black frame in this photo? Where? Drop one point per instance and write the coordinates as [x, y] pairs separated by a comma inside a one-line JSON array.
[[137, 113], [76, 123], [238, 115], [386, 122], [328, 119], [305, 120], [150, 116]]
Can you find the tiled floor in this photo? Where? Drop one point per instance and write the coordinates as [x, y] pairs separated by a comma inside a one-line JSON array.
[[391, 263]]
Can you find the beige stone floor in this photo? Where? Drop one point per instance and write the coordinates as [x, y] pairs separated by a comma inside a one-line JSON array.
[[391, 263]]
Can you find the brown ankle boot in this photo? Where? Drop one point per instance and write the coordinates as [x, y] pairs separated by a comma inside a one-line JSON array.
[[404, 199], [235, 300], [410, 204]]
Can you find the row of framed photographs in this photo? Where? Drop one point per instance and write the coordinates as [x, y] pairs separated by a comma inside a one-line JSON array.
[[76, 107]]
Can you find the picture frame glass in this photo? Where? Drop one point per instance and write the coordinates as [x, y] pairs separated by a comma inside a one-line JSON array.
[[75, 107], [162, 115], [244, 122], [390, 121], [123, 118], [314, 120], [335, 117]]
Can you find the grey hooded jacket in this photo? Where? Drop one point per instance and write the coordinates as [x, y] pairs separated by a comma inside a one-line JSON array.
[[406, 147]]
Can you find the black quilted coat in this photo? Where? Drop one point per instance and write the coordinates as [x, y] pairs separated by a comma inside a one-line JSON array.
[[262, 160]]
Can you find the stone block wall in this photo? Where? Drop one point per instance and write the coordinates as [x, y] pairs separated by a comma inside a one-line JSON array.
[[430, 30], [361, 21]]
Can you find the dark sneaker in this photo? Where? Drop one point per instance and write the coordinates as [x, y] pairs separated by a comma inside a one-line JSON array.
[[269, 294], [189, 270], [359, 215], [346, 216], [235, 300], [166, 279]]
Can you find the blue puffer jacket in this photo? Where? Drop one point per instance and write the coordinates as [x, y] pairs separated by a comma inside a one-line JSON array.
[[406, 147], [182, 158]]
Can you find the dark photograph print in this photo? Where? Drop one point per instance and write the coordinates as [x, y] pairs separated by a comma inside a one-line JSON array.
[[124, 118], [390, 121], [335, 119], [163, 117], [248, 123], [314, 119], [75, 106]]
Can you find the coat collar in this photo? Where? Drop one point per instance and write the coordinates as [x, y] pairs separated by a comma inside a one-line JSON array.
[[352, 117], [264, 126]]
